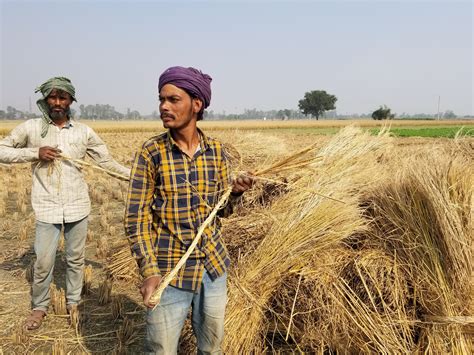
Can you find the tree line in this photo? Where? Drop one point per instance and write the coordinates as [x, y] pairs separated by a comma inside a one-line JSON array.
[[315, 104]]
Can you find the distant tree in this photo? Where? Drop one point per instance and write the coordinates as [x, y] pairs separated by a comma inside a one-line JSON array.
[[11, 113], [382, 113], [100, 112], [135, 115], [316, 102], [449, 114], [3, 115], [82, 110]]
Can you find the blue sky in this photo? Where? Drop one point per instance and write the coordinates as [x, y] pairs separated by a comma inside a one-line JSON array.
[[261, 54]]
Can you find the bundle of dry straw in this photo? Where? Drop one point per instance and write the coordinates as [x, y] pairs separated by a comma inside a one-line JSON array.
[[306, 224], [401, 285], [422, 218]]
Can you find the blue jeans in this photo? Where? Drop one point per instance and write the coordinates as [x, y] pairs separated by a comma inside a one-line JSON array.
[[165, 323], [46, 244]]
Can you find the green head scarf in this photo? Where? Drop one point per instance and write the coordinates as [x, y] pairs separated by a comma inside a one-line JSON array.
[[59, 83]]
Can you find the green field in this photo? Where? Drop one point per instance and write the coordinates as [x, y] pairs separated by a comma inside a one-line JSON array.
[[432, 132]]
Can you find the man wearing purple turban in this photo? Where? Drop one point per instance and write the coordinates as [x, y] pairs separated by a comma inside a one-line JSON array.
[[177, 179]]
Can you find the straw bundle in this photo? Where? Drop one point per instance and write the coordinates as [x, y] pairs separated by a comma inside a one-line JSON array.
[[121, 264], [58, 299], [87, 280], [349, 301], [126, 335], [59, 347], [23, 234], [102, 247], [378, 291], [90, 236], [75, 318], [19, 335], [423, 217], [314, 224], [243, 233], [117, 307], [105, 292]]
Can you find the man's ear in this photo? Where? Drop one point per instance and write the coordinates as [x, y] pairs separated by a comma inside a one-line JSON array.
[[197, 105]]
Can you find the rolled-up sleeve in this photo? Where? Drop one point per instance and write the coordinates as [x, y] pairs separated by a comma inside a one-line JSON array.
[[139, 214]]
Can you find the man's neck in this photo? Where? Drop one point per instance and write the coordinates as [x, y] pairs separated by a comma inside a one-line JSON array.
[[60, 122], [187, 139]]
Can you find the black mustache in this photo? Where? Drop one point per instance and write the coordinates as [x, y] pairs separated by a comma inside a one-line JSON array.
[[163, 115]]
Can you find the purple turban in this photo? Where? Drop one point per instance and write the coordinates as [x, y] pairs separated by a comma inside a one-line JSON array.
[[191, 80]]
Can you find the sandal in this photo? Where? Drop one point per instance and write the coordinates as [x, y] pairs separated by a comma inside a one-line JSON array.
[[35, 319]]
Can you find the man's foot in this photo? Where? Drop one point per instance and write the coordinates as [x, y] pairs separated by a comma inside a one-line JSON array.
[[35, 319]]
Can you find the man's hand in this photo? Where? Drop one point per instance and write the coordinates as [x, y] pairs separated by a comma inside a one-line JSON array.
[[148, 286], [48, 153], [242, 184]]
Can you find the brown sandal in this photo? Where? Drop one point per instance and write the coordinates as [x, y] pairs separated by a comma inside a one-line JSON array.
[[35, 319]]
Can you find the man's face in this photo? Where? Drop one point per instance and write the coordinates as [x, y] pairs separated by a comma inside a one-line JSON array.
[[59, 102], [177, 108]]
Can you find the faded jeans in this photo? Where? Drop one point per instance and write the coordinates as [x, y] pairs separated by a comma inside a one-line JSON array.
[[46, 244], [165, 323]]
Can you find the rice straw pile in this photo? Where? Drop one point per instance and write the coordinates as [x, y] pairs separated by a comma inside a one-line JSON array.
[[423, 219], [311, 226], [396, 281]]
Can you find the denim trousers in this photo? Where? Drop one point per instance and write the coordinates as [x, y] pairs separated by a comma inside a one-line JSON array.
[[46, 244], [164, 324]]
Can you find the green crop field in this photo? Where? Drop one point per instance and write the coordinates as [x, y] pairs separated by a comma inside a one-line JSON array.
[[432, 132]]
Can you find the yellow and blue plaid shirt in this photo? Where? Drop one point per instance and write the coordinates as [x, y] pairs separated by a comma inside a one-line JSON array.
[[169, 198]]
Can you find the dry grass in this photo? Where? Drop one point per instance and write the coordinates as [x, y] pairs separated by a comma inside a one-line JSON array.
[[375, 290], [311, 226], [423, 218]]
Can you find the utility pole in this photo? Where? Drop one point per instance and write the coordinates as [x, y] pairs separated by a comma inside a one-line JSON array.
[[439, 99]]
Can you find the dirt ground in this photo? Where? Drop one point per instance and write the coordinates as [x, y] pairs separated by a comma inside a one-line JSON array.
[[116, 326]]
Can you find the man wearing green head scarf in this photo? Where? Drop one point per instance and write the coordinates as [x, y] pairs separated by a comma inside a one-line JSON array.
[[59, 194]]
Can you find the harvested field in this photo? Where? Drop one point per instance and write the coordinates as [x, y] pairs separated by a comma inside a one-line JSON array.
[[382, 266]]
